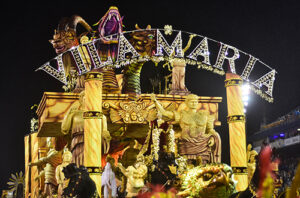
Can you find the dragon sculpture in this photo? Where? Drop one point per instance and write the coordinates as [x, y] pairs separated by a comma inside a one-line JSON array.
[[144, 43], [65, 36], [209, 181], [109, 26]]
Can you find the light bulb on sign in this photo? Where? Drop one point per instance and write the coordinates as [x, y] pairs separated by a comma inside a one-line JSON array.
[[246, 87], [245, 91], [245, 98]]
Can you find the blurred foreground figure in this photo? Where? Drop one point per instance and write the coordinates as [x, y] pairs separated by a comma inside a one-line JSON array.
[[80, 184], [109, 182]]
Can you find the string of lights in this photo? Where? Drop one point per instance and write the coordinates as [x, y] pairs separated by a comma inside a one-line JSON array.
[[174, 50]]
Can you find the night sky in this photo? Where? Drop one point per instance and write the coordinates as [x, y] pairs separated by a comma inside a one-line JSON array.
[[268, 30]]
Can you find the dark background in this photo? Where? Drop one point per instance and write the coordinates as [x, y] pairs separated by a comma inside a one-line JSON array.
[[269, 30]]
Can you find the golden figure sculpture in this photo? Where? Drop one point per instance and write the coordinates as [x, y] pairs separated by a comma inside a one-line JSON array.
[[178, 72], [251, 155], [60, 177], [135, 176], [73, 74], [198, 137], [52, 160], [73, 124]]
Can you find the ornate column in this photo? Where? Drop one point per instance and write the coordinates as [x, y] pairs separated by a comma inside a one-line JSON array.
[[92, 126], [34, 149], [27, 168], [237, 134]]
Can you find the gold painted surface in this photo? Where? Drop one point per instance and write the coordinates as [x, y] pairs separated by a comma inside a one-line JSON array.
[[237, 139], [237, 134], [93, 94], [94, 76], [34, 169], [51, 111], [42, 152], [35, 148], [93, 128], [27, 160], [242, 182], [92, 147], [54, 106], [251, 160]]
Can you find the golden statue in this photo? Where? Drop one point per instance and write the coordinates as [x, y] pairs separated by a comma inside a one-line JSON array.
[[60, 177], [251, 155], [130, 154], [198, 137], [52, 160], [73, 124], [135, 176]]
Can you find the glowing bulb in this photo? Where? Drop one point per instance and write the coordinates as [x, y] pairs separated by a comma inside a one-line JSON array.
[[281, 134], [245, 91], [246, 87], [245, 98]]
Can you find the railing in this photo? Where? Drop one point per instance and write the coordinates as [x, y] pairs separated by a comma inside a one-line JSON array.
[[280, 143], [287, 120]]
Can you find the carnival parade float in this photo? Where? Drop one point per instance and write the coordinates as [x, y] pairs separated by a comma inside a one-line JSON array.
[[103, 137]]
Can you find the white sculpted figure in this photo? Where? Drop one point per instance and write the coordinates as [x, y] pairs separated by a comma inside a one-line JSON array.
[[135, 176], [108, 181]]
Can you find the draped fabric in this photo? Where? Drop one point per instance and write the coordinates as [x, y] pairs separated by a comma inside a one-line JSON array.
[[108, 180], [195, 136], [74, 123], [200, 148], [178, 75], [77, 144]]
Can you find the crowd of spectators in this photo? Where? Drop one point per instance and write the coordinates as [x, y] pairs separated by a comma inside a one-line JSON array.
[[284, 120], [287, 168]]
